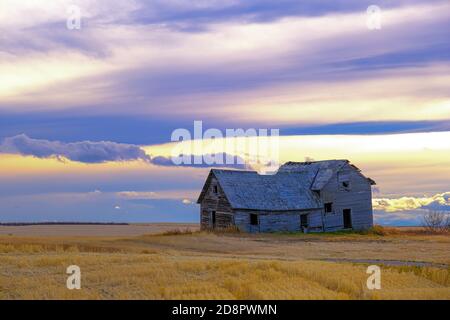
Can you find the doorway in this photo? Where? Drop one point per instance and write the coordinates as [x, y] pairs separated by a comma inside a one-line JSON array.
[[303, 222], [347, 218], [213, 219]]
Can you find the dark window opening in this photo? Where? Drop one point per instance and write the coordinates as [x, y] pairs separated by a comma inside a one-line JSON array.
[[215, 189], [253, 219], [329, 207], [344, 180], [213, 218], [304, 221]]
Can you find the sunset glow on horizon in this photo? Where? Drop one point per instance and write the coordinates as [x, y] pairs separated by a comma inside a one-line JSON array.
[[86, 116]]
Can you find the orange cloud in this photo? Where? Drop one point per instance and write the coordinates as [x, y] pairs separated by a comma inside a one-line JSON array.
[[441, 200]]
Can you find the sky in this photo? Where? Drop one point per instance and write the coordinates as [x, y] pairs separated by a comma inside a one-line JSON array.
[[87, 115]]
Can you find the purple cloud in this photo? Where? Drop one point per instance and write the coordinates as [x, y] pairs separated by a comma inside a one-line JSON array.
[[97, 152], [237, 163], [84, 151]]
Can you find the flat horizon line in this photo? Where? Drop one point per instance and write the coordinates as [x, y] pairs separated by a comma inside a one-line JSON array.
[[61, 223]]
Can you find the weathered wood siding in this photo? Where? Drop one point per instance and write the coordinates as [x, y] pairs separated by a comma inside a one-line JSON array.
[[277, 221], [315, 221], [358, 198], [215, 202]]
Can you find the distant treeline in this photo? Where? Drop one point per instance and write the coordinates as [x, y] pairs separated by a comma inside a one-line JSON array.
[[62, 223]]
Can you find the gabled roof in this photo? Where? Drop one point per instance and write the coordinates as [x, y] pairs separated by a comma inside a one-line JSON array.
[[318, 172], [279, 192], [291, 188]]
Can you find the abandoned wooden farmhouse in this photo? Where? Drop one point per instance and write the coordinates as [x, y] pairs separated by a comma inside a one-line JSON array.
[[302, 196]]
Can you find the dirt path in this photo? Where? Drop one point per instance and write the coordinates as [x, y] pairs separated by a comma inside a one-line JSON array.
[[393, 263]]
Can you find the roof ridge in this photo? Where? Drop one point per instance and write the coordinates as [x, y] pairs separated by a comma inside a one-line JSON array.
[[310, 162], [233, 170]]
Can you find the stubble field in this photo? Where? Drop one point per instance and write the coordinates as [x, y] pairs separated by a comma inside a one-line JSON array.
[[202, 265]]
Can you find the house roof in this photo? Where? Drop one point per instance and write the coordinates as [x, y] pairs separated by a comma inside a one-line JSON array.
[[318, 172], [291, 188], [279, 192]]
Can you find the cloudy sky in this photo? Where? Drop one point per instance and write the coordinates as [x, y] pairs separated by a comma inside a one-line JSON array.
[[86, 115]]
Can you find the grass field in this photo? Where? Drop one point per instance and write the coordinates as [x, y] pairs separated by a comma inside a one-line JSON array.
[[200, 265]]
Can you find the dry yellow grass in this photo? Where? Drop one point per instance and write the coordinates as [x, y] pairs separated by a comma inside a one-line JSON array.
[[225, 266]]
